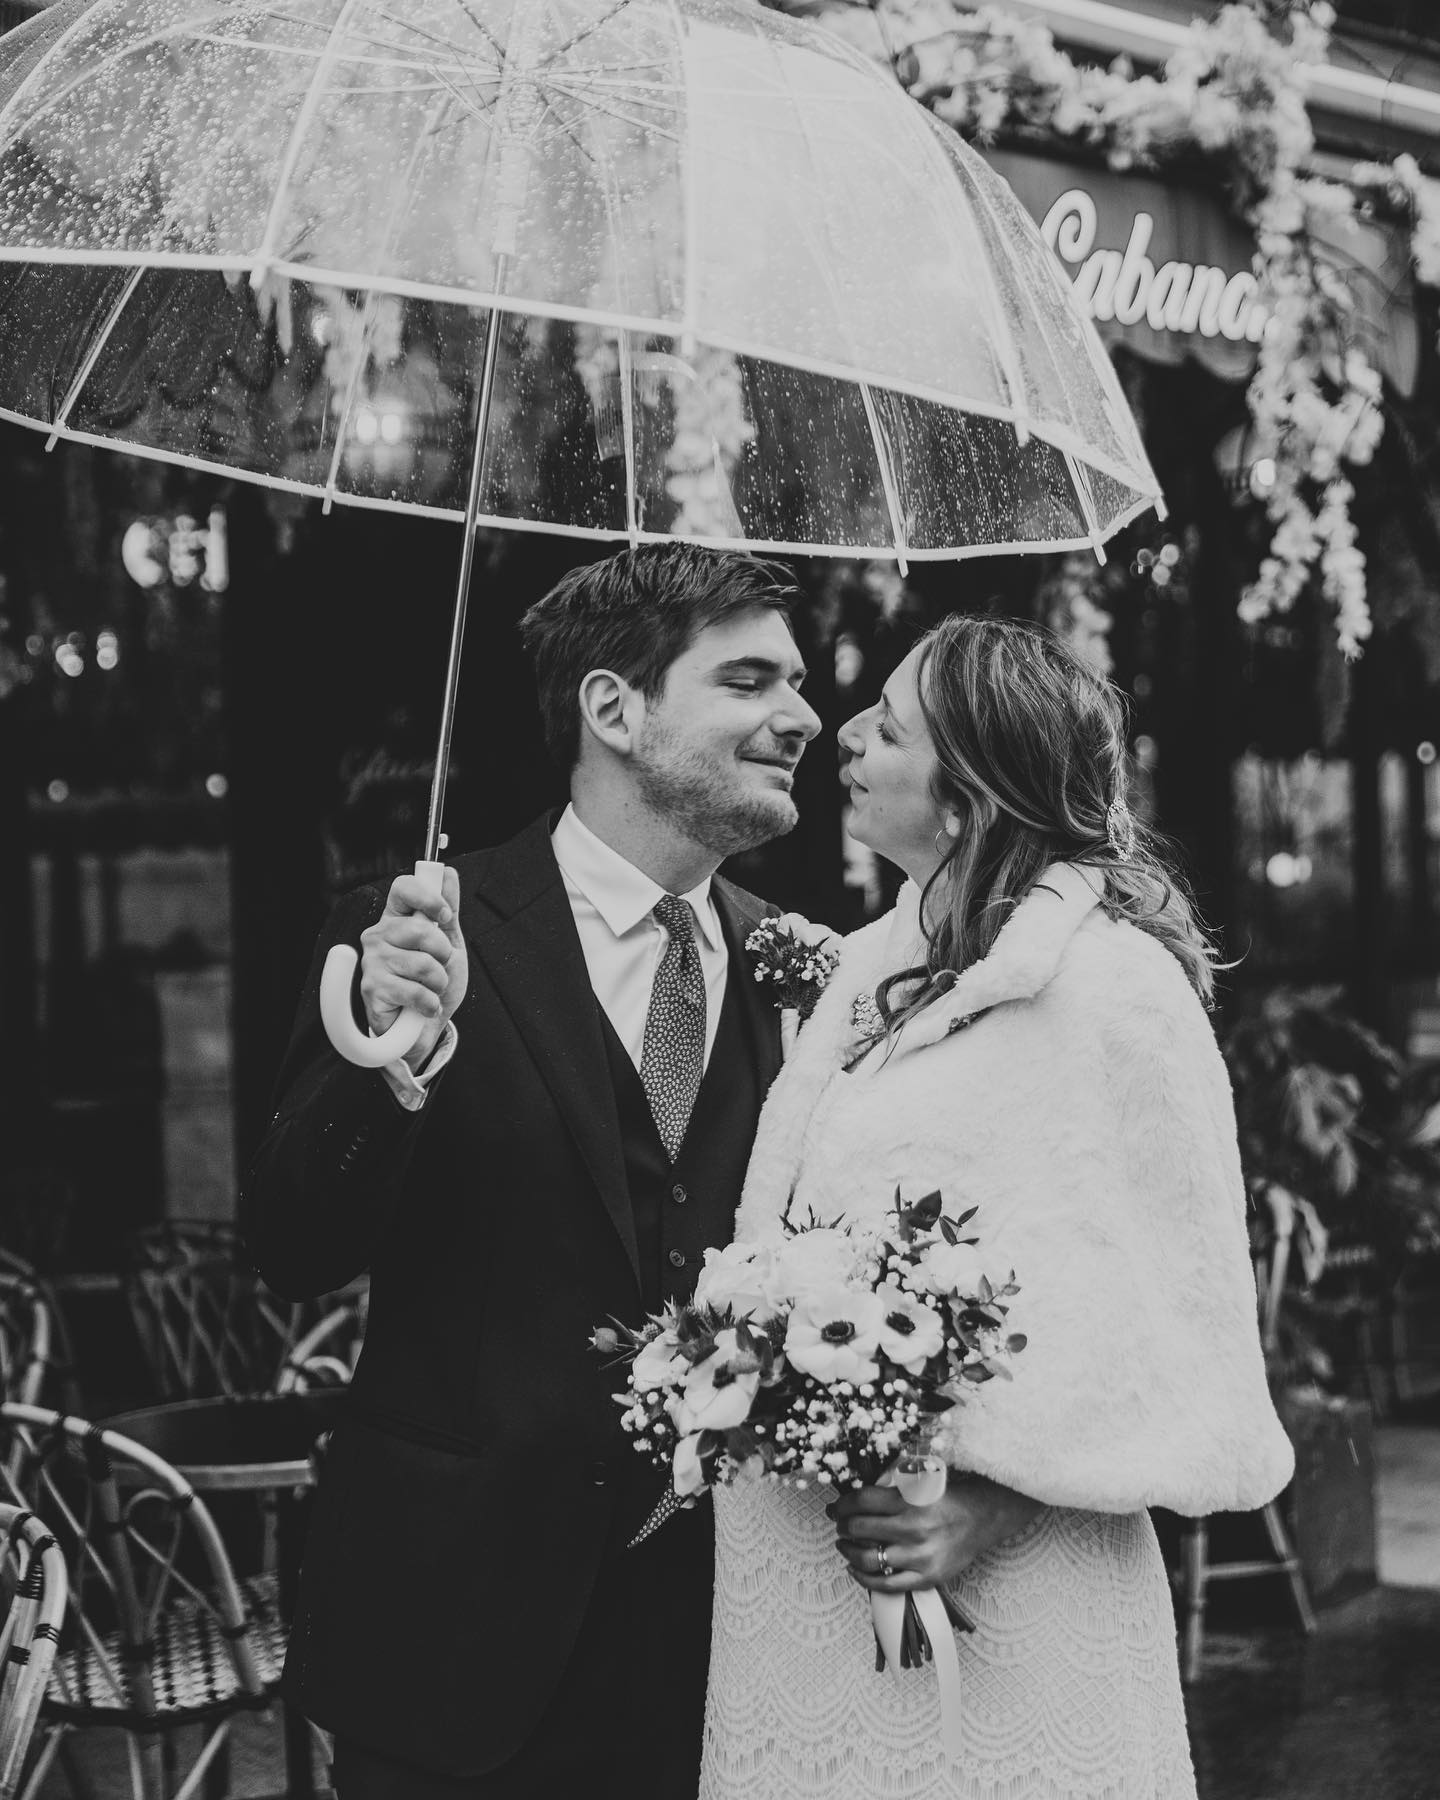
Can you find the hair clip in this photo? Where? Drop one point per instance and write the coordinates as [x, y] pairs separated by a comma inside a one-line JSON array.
[[1120, 828]]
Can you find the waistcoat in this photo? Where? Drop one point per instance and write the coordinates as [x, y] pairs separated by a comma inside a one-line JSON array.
[[681, 1208]]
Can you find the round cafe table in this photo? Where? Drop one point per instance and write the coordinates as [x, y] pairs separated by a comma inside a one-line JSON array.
[[250, 1443]]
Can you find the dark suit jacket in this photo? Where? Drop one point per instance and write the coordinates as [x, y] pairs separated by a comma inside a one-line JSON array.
[[469, 1503]]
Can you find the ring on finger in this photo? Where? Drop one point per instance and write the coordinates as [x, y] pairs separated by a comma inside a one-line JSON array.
[[882, 1560]]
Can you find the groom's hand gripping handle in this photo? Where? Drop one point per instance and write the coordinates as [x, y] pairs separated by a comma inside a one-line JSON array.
[[413, 958], [411, 980]]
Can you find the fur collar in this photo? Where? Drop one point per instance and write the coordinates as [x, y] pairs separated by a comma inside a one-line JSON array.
[[1024, 958]]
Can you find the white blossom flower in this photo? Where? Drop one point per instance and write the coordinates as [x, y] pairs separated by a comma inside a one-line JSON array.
[[736, 1277], [911, 1332], [720, 1388], [812, 1260], [834, 1332], [658, 1364], [687, 1472]]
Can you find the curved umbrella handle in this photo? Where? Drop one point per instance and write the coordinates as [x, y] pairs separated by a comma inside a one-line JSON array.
[[336, 980]]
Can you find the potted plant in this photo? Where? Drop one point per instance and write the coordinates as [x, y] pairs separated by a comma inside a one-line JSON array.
[[1339, 1137]]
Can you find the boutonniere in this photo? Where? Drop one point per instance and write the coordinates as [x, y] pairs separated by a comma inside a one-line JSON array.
[[794, 960]]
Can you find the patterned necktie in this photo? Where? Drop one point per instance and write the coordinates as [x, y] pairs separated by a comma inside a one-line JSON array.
[[672, 1061]]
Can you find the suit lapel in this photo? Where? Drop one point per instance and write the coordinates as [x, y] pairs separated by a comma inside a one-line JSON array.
[[533, 956]]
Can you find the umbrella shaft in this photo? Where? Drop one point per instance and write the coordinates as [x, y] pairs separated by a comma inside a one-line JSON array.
[[467, 563]]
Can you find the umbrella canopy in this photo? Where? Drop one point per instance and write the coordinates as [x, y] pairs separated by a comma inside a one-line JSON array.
[[732, 282]]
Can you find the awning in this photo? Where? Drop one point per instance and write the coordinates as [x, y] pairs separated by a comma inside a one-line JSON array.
[[1165, 267]]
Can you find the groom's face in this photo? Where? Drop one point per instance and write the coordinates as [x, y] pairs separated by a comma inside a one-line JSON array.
[[718, 746]]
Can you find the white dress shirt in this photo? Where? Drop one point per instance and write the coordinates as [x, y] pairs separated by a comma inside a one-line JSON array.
[[614, 907], [613, 904]]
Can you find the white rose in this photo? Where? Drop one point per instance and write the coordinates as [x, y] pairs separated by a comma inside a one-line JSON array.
[[736, 1277], [810, 1260], [805, 930], [952, 1269], [658, 1365], [688, 1475], [719, 1389]]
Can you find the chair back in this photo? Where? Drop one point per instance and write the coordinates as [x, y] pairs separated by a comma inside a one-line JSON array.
[[1270, 1251], [25, 1335], [149, 1578], [207, 1325], [326, 1354], [34, 1584]]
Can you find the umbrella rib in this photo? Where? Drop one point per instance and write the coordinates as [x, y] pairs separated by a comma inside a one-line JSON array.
[[690, 305], [313, 95], [627, 424], [93, 354], [887, 475], [1085, 495]]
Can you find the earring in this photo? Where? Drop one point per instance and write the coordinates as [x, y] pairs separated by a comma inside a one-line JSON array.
[[941, 850]]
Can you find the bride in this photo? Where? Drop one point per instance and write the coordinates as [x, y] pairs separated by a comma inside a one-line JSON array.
[[1026, 1032]]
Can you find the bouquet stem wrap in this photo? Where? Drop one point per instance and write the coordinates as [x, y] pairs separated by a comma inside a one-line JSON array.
[[887, 1614]]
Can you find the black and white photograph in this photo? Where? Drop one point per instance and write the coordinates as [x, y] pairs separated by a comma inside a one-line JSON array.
[[719, 900]]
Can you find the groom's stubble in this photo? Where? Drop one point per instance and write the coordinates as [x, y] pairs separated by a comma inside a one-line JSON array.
[[712, 798]]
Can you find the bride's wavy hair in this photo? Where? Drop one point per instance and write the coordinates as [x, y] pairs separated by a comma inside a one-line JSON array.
[[1030, 747]]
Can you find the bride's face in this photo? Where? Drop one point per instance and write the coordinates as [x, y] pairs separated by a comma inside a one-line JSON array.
[[888, 762]]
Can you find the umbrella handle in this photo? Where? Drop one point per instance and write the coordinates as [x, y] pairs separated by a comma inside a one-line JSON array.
[[336, 982]]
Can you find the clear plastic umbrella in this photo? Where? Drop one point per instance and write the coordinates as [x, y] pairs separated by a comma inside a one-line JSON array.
[[615, 268]]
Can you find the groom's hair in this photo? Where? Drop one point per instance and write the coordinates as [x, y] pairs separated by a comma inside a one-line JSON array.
[[634, 614]]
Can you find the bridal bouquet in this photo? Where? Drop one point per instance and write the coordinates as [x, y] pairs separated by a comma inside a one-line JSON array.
[[827, 1360]]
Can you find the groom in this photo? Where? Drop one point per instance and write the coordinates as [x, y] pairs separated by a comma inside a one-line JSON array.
[[565, 1140]]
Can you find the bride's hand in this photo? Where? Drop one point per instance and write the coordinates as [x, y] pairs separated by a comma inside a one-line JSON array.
[[925, 1546]]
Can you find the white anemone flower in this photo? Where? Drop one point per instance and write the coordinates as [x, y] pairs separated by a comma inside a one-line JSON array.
[[911, 1332], [834, 1332]]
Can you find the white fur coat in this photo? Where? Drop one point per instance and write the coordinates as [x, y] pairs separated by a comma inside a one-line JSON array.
[[1088, 1115]]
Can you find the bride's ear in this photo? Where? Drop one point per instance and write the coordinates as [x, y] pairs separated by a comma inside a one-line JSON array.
[[951, 826]]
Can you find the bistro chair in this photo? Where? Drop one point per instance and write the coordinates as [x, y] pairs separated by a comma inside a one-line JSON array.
[[158, 1634], [32, 1578], [326, 1355], [206, 1323], [57, 1377], [25, 1332], [1197, 1570]]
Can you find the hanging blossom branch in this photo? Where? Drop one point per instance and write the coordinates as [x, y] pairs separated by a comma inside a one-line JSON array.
[[1232, 93]]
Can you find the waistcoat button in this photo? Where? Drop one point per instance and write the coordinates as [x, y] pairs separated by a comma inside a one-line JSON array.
[[677, 1259], [678, 1194]]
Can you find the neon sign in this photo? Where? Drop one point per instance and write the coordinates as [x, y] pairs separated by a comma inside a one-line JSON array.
[[1125, 285]]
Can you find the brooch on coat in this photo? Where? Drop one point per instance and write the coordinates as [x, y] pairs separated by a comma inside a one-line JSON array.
[[869, 1026]]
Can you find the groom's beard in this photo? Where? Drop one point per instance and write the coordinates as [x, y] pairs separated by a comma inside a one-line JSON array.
[[713, 802]]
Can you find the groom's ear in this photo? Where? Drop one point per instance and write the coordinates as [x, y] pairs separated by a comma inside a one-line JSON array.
[[610, 710]]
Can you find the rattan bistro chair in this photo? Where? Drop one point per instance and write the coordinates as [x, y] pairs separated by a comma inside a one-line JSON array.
[[24, 1339], [326, 1355], [32, 1571], [158, 1634], [1197, 1570], [206, 1323]]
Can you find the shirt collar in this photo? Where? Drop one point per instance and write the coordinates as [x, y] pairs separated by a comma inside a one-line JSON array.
[[622, 894]]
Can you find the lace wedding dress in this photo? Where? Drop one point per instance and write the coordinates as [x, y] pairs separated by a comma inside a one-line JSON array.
[[1070, 1685], [1101, 1154]]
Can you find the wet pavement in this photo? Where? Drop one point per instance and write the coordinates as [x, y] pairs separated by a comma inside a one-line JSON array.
[[1352, 1713]]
